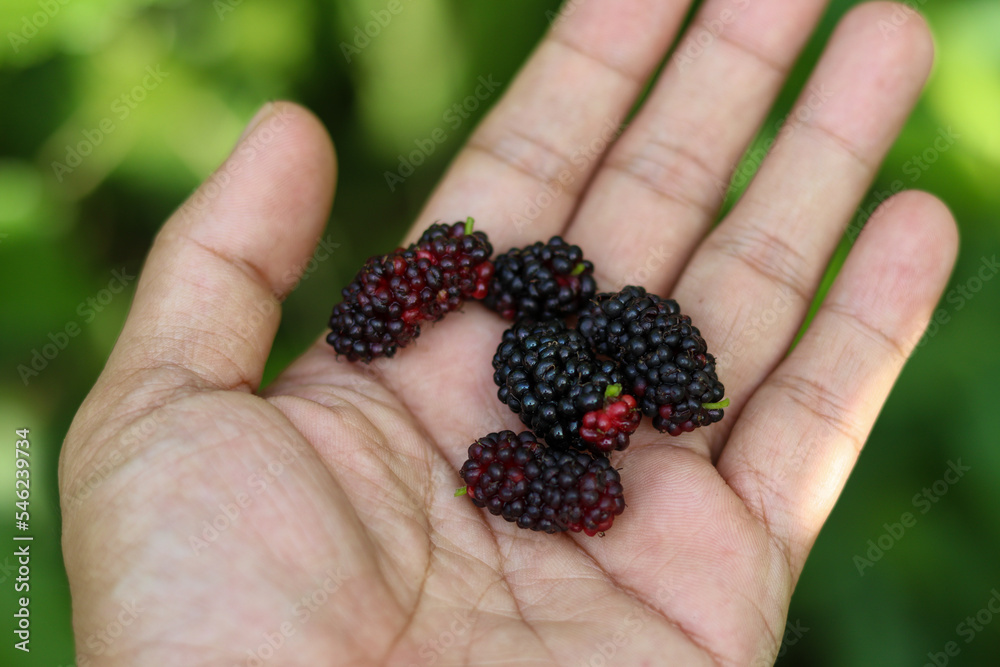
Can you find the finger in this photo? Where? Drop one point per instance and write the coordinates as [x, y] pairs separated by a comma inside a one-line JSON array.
[[523, 168], [661, 185], [751, 282], [208, 301], [801, 432]]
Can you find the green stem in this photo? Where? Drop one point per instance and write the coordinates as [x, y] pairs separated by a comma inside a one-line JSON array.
[[724, 403], [461, 492], [578, 269], [613, 391], [469, 224]]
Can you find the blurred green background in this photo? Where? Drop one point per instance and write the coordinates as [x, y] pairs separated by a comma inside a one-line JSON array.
[[65, 65]]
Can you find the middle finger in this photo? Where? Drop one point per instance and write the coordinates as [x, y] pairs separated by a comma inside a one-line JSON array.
[[661, 185]]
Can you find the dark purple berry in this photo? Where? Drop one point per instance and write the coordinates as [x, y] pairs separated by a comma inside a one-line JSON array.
[[392, 294], [542, 281], [538, 488], [665, 362], [548, 375]]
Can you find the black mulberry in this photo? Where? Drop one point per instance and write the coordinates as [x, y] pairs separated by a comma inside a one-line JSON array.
[[664, 360], [542, 281], [392, 294], [548, 375], [525, 482]]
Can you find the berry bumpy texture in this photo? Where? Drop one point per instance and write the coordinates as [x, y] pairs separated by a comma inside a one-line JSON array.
[[664, 360], [609, 427], [548, 375], [518, 478], [392, 294], [541, 282]]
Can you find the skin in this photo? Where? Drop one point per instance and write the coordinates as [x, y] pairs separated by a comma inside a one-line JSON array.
[[336, 537]]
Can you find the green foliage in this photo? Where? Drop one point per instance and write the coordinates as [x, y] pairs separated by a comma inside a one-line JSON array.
[[155, 92]]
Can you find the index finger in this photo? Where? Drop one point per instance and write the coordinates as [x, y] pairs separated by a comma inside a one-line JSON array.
[[522, 170]]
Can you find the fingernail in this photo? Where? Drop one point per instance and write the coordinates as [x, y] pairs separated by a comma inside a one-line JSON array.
[[262, 114]]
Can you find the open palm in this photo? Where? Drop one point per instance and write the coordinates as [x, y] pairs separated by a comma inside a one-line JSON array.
[[314, 523]]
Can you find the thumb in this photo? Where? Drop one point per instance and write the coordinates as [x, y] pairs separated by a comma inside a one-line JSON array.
[[207, 304]]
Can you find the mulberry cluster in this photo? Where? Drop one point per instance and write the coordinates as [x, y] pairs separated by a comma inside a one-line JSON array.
[[392, 294], [542, 281], [539, 488], [548, 375], [664, 360], [582, 389]]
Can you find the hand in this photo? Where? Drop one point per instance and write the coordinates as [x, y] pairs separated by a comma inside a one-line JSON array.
[[313, 523]]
